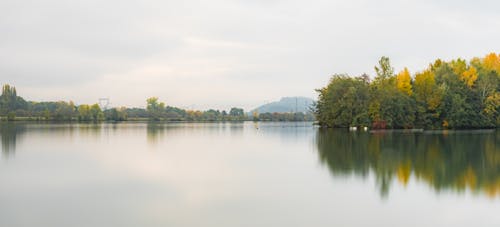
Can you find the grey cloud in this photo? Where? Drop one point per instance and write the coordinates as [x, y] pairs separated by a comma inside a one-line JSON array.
[[295, 45]]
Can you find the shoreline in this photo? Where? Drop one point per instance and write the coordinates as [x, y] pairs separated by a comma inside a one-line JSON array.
[[141, 120]]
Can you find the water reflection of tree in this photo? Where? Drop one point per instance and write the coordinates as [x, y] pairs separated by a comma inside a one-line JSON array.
[[456, 161], [9, 133], [236, 128], [155, 131], [87, 129]]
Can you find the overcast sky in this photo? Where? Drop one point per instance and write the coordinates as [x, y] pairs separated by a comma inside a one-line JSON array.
[[221, 53]]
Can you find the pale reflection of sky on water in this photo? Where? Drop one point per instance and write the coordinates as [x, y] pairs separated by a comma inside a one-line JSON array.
[[241, 174]]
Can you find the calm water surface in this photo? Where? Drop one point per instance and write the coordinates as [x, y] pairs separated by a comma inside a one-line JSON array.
[[245, 174]]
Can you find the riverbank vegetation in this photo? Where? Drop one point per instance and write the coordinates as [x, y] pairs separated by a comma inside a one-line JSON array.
[[14, 107], [457, 94]]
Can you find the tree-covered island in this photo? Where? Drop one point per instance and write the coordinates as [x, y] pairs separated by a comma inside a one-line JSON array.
[[457, 94]]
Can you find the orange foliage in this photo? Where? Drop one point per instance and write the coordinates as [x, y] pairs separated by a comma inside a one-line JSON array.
[[492, 62], [469, 76]]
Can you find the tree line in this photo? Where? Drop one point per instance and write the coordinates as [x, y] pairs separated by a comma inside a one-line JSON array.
[[14, 107], [455, 94], [292, 116]]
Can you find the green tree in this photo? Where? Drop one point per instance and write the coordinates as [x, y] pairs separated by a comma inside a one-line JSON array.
[[64, 111], [492, 108], [155, 109], [384, 70], [116, 114], [11, 116], [343, 102], [389, 107], [96, 112], [9, 101], [84, 113], [237, 114]]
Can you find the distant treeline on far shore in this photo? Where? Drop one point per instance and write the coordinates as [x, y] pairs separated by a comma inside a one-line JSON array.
[[14, 107]]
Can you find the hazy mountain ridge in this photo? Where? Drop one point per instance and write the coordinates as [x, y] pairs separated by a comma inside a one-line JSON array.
[[286, 105]]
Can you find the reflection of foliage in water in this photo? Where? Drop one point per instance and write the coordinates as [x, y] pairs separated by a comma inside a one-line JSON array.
[[455, 160], [9, 133], [155, 131]]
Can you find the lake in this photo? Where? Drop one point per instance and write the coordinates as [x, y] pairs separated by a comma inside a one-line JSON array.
[[245, 174]]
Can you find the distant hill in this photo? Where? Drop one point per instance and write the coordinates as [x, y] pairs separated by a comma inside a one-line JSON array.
[[286, 105]]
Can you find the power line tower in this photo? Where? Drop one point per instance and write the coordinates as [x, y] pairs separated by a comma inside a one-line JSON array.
[[104, 103], [296, 104]]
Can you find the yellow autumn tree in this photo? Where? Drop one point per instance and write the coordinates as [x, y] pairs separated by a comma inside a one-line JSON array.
[[403, 82], [475, 61], [469, 76], [492, 62], [437, 63], [459, 66], [492, 104], [255, 115], [426, 89]]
